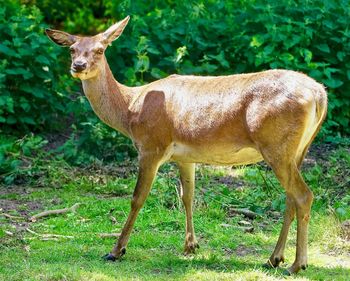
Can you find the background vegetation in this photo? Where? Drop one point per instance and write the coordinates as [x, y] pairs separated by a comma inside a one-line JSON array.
[[54, 151], [164, 37]]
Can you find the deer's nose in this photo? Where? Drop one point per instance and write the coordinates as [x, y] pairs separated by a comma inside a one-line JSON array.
[[79, 66]]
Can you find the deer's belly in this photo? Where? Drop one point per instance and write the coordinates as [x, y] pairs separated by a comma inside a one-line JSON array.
[[222, 155]]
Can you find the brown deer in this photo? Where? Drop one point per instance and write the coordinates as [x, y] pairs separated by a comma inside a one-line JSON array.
[[239, 119]]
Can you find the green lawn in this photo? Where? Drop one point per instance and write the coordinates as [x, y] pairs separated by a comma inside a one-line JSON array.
[[226, 251]]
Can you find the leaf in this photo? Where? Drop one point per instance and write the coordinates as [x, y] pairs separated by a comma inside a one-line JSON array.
[[333, 83], [157, 73], [38, 92], [324, 48], [20, 71], [221, 59], [142, 64], [328, 24], [341, 56], [27, 120], [11, 120], [259, 59], [153, 51], [43, 60], [23, 52], [268, 50], [180, 53], [9, 104], [307, 54], [256, 41], [348, 74], [130, 75], [341, 211], [209, 68], [7, 51], [329, 70], [23, 102], [315, 73], [287, 57]]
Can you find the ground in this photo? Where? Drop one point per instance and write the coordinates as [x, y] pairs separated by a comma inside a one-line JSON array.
[[232, 247]]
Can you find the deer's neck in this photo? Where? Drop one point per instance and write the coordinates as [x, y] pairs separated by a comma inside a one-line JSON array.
[[109, 99]]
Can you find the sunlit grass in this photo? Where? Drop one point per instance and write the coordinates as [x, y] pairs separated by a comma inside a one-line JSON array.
[[155, 248]]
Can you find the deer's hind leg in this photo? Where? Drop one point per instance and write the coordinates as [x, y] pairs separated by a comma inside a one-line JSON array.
[[278, 254], [298, 202]]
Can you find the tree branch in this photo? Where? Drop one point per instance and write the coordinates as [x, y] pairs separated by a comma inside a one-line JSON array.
[[48, 236], [54, 212]]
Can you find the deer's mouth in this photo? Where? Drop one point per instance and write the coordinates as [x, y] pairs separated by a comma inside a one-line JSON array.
[[84, 74], [78, 74], [73, 70]]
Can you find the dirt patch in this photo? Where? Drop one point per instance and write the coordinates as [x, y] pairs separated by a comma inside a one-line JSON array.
[[229, 181], [23, 208], [345, 230], [15, 189], [240, 251], [320, 154], [101, 171], [12, 200]]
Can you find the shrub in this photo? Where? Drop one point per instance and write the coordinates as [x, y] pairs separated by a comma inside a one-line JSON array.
[[187, 37], [92, 140], [30, 98], [17, 157], [222, 37]]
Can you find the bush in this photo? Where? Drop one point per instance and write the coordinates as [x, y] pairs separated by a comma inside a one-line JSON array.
[[30, 98], [223, 37], [34, 84], [92, 140], [17, 157], [163, 37]]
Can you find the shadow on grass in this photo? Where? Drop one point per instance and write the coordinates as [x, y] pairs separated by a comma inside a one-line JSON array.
[[326, 273], [179, 267]]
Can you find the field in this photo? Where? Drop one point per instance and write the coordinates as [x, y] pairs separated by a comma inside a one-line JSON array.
[[55, 153], [232, 247]]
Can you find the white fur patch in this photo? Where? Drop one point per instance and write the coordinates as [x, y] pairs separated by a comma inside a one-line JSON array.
[[221, 155]]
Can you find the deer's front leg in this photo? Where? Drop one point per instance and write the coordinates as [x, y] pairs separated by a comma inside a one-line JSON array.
[[148, 167], [187, 176]]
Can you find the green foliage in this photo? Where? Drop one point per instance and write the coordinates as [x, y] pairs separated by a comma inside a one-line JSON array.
[[223, 37], [16, 157], [30, 98], [163, 37], [94, 139], [306, 38]]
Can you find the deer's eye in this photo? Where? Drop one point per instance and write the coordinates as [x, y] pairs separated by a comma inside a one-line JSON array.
[[99, 51], [72, 51]]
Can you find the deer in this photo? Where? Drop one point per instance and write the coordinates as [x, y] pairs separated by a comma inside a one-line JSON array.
[[238, 119]]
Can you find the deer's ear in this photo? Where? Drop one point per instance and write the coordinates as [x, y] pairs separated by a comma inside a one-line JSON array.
[[61, 38], [114, 31]]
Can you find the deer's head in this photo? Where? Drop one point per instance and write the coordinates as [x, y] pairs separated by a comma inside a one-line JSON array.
[[87, 52]]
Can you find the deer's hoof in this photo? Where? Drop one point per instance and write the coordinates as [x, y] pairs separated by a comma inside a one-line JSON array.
[[190, 248], [275, 262], [109, 257], [295, 268]]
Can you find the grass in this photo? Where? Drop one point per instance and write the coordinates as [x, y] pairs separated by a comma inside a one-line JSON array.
[[155, 249]]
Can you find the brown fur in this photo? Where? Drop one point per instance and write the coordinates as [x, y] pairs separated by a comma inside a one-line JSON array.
[[237, 119]]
